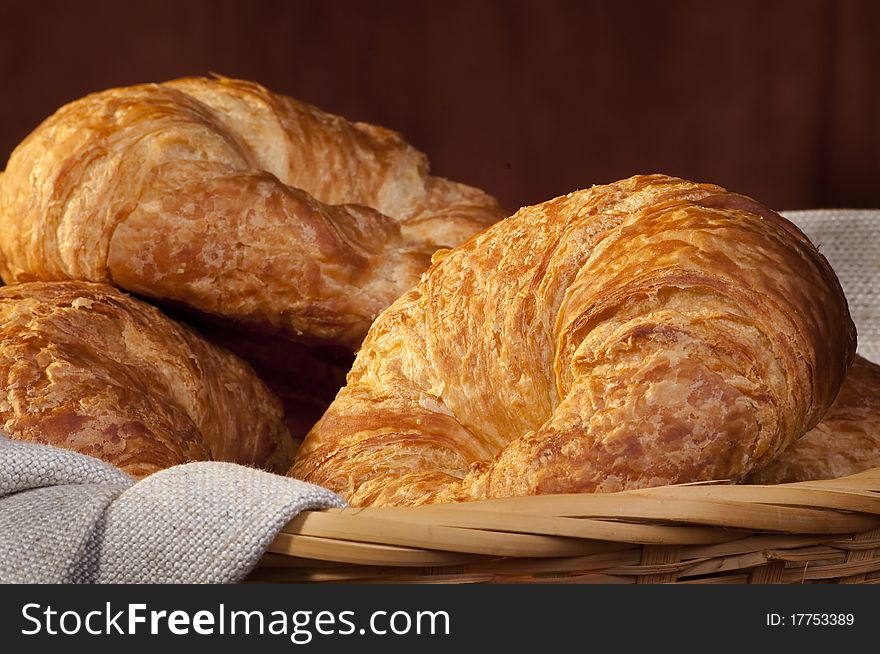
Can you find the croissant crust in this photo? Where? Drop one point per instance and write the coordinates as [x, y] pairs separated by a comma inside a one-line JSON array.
[[646, 332], [847, 440]]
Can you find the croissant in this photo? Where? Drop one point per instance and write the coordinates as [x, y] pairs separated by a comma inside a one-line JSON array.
[[247, 213], [845, 442], [89, 368], [221, 196], [647, 332]]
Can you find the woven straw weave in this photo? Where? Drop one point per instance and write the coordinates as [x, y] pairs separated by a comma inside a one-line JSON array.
[[850, 239]]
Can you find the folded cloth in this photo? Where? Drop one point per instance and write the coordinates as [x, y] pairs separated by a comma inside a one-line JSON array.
[[69, 518]]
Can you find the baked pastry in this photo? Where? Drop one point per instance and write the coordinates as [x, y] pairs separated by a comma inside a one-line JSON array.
[[249, 214], [222, 197], [648, 332], [847, 440], [89, 368]]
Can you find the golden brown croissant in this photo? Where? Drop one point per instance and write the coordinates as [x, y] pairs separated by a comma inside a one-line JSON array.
[[647, 332], [92, 369], [233, 201], [847, 440]]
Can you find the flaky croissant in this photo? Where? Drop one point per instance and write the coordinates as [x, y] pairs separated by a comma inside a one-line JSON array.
[[88, 368], [220, 196], [647, 332], [845, 442]]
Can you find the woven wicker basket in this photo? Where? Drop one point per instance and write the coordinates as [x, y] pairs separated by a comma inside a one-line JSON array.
[[811, 532]]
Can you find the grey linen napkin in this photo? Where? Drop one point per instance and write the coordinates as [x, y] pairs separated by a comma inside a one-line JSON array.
[[69, 518]]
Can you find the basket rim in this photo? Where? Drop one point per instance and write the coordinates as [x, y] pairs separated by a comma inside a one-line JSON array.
[[701, 517]]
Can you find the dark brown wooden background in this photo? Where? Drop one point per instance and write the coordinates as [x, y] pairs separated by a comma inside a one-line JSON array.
[[527, 99]]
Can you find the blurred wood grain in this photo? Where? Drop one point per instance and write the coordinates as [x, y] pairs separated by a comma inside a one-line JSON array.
[[778, 99]]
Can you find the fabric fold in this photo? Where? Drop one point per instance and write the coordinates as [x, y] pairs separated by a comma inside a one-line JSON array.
[[69, 518]]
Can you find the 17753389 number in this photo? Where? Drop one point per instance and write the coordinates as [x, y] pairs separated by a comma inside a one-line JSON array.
[[810, 620]]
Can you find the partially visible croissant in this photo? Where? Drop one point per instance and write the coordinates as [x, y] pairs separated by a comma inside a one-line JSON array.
[[648, 332], [220, 196], [847, 440], [92, 369]]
